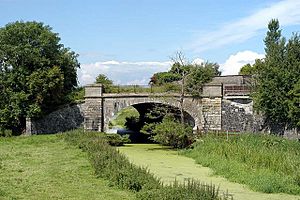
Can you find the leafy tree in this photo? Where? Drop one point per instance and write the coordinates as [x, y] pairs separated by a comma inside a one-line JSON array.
[[199, 75], [106, 82], [102, 79], [294, 104], [162, 78], [36, 72], [293, 80], [276, 78], [252, 69], [270, 95], [190, 77], [246, 70], [180, 66]]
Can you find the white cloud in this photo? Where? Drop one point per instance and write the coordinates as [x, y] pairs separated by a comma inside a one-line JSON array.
[[234, 63], [121, 72], [111, 62], [198, 61], [287, 12]]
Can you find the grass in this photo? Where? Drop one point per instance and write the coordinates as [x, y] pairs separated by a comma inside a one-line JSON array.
[[45, 167], [265, 163], [109, 164], [121, 116], [168, 164], [166, 88], [115, 167]]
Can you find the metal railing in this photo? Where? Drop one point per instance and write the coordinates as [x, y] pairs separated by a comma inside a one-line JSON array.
[[236, 90]]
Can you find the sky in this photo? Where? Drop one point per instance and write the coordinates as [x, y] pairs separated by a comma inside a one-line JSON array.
[[129, 40]]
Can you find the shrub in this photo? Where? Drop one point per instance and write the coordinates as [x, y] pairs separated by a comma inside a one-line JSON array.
[[191, 189], [172, 133], [117, 140], [5, 133]]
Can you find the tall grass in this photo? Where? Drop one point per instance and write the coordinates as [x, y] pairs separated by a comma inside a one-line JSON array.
[[265, 163], [168, 87], [115, 167], [110, 164], [189, 190]]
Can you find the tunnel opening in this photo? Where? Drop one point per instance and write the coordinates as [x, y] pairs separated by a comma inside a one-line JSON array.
[[134, 120]]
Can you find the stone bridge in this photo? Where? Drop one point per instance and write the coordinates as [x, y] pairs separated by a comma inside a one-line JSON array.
[[100, 108], [203, 113], [224, 105]]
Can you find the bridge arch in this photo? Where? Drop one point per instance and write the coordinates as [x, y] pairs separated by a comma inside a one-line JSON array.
[[146, 107], [111, 106]]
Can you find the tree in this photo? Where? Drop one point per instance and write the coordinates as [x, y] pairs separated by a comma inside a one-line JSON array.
[[199, 75], [293, 80], [246, 70], [191, 77], [102, 79], [36, 72], [294, 104], [276, 79], [252, 69], [105, 81], [270, 97], [162, 78], [181, 67]]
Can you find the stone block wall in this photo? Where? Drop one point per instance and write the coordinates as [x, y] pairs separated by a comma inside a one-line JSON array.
[[66, 118], [93, 115], [232, 80], [211, 111], [237, 115], [212, 90]]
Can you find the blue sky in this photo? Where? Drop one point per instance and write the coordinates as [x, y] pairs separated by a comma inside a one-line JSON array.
[[129, 40]]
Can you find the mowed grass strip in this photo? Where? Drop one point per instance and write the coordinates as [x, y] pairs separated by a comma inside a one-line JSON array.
[[45, 167]]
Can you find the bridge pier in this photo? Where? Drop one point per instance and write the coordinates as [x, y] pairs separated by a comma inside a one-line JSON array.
[[93, 115]]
